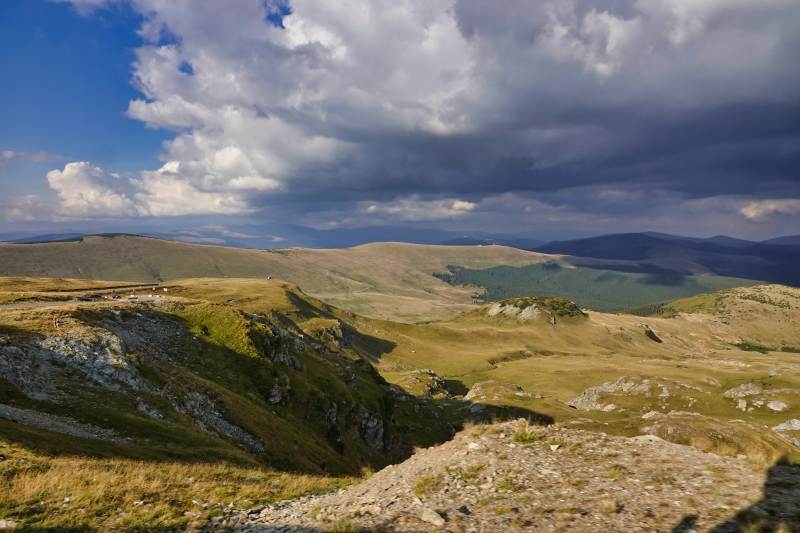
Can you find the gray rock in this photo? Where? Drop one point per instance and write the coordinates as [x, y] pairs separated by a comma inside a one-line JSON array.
[[432, 517], [371, 429], [789, 425], [144, 408], [777, 406], [590, 399], [207, 416], [280, 390], [742, 391]]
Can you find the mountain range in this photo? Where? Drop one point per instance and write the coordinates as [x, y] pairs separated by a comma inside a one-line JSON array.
[[775, 260]]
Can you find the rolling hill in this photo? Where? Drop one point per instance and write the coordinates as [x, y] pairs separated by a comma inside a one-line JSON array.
[[397, 281], [389, 280]]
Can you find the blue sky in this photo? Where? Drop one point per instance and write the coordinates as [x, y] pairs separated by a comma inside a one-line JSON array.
[[547, 118], [66, 91]]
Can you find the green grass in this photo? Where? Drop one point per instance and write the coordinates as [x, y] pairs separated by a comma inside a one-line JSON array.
[[603, 290], [526, 435]]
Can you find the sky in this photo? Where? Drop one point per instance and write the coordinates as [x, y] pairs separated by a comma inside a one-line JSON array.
[[540, 118]]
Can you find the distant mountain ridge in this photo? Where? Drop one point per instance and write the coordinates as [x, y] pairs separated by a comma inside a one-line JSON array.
[[776, 260], [271, 236]]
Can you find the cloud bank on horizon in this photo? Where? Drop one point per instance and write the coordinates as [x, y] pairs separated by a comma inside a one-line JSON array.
[[514, 112]]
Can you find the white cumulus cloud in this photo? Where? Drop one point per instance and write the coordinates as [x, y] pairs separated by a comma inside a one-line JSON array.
[[760, 210], [86, 190]]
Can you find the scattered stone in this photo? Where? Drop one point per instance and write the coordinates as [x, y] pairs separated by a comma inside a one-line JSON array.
[[777, 406], [207, 416], [432, 517]]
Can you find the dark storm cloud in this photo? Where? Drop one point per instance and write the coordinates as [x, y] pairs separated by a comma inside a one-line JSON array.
[[391, 108]]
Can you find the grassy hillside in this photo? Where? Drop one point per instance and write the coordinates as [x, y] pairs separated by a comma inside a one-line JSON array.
[[603, 290], [168, 409], [630, 364], [249, 382], [387, 280]]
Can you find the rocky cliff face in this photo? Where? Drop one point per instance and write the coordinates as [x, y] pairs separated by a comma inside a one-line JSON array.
[[185, 376]]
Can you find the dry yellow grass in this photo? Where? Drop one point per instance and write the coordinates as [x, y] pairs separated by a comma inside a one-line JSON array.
[[77, 492]]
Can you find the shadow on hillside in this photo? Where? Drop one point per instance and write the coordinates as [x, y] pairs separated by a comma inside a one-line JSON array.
[[455, 387], [654, 274], [777, 510], [293, 430]]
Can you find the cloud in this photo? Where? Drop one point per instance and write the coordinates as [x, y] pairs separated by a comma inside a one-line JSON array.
[[87, 7], [764, 209], [27, 208], [396, 104], [414, 209], [36, 157], [85, 190]]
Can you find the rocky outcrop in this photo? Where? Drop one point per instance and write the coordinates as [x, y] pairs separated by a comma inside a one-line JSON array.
[[729, 437], [424, 382], [279, 393], [57, 424], [515, 477], [493, 390], [658, 391], [743, 391], [789, 425], [371, 429], [207, 416], [592, 398], [533, 307]]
